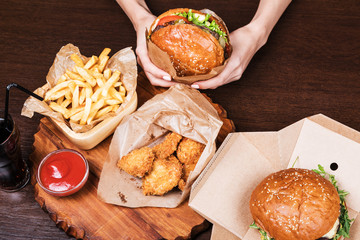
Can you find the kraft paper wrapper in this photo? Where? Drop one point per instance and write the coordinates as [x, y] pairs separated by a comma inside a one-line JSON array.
[[180, 109], [123, 60], [162, 60], [222, 192]]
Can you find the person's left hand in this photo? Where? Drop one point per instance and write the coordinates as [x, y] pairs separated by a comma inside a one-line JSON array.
[[245, 42], [156, 76]]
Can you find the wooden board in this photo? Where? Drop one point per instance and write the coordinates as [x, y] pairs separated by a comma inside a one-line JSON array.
[[82, 215]]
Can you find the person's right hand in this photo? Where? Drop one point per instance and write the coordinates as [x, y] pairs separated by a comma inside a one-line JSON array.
[[156, 76]]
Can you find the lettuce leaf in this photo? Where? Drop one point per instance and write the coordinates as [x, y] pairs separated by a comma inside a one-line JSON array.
[[345, 221]]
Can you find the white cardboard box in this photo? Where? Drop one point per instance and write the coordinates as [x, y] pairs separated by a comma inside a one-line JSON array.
[[222, 192]]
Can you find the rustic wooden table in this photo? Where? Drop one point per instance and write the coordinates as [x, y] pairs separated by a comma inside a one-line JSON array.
[[310, 65]]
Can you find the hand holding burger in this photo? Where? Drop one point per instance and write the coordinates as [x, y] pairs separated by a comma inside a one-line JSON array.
[[245, 41]]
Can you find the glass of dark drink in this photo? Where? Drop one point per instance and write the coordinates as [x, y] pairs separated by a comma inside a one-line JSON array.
[[14, 171]]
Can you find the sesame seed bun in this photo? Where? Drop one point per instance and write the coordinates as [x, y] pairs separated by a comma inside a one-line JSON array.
[[295, 204]]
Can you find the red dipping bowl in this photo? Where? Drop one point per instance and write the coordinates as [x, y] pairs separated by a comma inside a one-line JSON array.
[[63, 172]]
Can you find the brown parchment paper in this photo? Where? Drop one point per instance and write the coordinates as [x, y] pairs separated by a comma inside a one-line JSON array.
[[180, 109], [222, 192], [123, 60], [162, 60]]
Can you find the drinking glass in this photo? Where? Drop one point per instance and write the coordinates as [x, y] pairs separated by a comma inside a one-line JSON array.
[[14, 171]]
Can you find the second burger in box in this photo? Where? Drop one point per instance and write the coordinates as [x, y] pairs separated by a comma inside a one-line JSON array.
[[296, 183]]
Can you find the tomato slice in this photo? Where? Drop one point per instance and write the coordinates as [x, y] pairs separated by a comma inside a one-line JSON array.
[[170, 18]]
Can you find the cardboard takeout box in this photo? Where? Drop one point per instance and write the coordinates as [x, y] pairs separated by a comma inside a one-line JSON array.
[[222, 192]]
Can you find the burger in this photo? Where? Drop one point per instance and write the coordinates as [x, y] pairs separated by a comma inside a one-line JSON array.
[[195, 41], [299, 203]]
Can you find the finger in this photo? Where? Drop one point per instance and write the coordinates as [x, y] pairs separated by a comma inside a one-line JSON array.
[[158, 81], [149, 67], [232, 72]]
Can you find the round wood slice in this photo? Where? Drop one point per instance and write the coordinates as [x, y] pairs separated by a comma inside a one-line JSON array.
[[83, 216]]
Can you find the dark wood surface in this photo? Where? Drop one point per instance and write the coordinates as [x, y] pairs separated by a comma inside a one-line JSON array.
[[76, 214], [310, 65]]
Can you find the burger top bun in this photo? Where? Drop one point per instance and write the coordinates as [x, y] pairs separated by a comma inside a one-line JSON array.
[[180, 40], [295, 204], [192, 50]]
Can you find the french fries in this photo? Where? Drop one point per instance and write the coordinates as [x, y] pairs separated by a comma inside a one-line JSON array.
[[88, 91]]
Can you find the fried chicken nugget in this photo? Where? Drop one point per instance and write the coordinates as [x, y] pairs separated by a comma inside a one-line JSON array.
[[137, 162], [163, 177], [168, 146], [187, 169], [188, 153]]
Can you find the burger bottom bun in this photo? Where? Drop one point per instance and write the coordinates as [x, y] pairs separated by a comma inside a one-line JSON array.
[[192, 51], [295, 204]]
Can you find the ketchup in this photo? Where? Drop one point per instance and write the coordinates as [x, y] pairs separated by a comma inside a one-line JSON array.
[[62, 171]]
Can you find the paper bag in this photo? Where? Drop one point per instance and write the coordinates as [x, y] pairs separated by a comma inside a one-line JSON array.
[[222, 192], [87, 136], [180, 109], [123, 60]]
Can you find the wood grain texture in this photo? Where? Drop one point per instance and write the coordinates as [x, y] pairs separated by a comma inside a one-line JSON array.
[[310, 64], [84, 216]]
